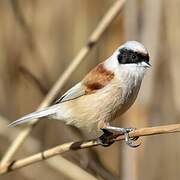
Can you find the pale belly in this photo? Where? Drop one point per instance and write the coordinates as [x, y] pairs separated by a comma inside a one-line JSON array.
[[88, 111]]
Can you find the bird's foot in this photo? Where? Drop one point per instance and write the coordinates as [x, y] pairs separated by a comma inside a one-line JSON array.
[[105, 139], [125, 131]]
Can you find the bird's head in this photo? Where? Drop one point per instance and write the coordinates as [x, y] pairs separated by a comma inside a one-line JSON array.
[[132, 56]]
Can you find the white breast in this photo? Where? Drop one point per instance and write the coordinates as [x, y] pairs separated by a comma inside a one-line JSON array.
[[104, 105]]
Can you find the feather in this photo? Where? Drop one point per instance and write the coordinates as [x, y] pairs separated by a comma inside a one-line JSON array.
[[34, 115], [95, 80], [73, 93]]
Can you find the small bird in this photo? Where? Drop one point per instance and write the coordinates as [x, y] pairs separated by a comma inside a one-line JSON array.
[[105, 93]]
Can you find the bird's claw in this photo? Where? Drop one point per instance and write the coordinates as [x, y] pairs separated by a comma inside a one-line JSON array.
[[130, 141]]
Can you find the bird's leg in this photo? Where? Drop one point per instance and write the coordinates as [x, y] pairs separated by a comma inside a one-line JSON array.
[[129, 141], [105, 139]]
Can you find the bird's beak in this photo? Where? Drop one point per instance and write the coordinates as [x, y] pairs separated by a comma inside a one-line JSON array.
[[146, 64]]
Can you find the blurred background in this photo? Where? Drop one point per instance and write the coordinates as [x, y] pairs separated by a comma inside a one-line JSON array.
[[38, 40]]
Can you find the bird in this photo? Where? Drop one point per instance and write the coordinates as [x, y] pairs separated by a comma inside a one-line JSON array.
[[105, 93]]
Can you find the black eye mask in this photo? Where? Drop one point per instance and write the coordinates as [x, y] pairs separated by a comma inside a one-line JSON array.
[[127, 56]]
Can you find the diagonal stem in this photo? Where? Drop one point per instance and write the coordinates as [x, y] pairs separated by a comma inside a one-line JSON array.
[[11, 166], [95, 36]]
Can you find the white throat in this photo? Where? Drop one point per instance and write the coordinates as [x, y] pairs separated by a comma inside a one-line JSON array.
[[130, 72]]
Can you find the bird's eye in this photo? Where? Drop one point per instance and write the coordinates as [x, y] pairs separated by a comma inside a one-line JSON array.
[[134, 56]]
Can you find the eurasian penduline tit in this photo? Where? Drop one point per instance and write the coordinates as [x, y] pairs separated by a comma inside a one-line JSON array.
[[105, 93]]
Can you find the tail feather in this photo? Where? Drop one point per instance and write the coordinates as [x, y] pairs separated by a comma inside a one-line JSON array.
[[35, 115]]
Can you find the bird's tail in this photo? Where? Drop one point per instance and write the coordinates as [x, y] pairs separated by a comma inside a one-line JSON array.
[[35, 115]]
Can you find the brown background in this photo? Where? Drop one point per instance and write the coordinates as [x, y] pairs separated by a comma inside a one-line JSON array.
[[38, 40]]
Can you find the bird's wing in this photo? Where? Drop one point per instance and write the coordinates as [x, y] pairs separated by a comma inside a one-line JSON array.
[[75, 92], [95, 80]]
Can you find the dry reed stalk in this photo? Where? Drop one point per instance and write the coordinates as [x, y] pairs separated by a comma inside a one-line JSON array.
[[95, 36], [60, 164], [8, 167]]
